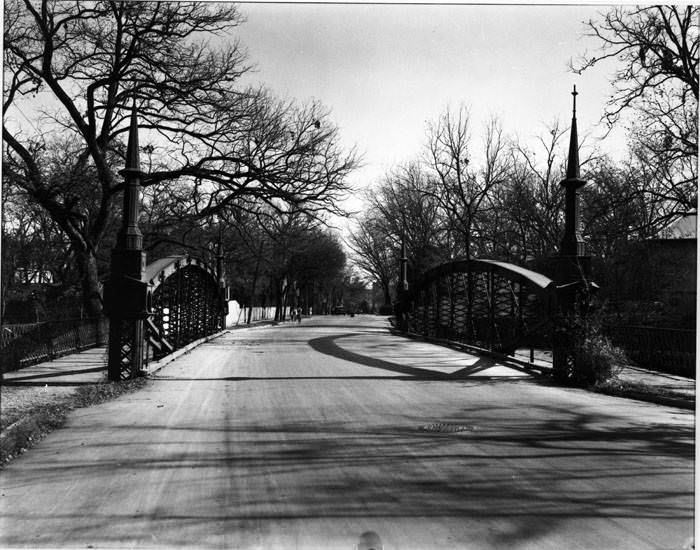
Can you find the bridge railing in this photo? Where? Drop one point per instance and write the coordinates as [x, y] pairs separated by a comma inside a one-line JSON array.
[[488, 304], [665, 349], [186, 304]]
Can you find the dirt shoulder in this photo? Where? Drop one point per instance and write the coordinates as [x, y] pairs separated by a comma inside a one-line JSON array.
[[29, 413]]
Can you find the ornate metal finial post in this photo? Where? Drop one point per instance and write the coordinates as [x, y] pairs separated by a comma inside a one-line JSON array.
[[572, 264], [573, 244], [126, 293]]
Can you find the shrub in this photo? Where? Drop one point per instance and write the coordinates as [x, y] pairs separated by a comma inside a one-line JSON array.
[[596, 359]]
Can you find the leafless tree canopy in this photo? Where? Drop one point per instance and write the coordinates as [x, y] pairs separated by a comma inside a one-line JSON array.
[[656, 48], [75, 68], [459, 183]]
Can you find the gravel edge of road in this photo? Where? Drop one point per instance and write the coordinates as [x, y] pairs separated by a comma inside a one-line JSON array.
[[38, 420]]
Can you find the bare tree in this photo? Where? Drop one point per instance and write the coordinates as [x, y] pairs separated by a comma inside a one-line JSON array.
[[33, 248], [460, 188], [407, 209], [657, 51], [374, 251], [533, 198], [87, 62]]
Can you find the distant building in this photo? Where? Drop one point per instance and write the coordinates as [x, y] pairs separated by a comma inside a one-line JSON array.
[[670, 263], [684, 228]]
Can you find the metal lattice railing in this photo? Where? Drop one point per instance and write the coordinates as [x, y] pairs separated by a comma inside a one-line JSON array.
[[28, 344], [186, 305], [488, 304], [665, 349]]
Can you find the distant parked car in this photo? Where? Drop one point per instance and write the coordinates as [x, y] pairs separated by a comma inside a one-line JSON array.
[[338, 310]]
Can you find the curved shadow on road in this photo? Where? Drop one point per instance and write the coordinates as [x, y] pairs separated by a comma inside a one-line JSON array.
[[327, 345]]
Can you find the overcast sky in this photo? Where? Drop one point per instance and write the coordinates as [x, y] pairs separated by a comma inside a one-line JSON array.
[[384, 70]]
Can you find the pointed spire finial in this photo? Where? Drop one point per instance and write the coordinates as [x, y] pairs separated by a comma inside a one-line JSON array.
[[132, 148], [572, 166]]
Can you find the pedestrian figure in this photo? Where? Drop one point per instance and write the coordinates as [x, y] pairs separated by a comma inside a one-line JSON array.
[[292, 312], [299, 315]]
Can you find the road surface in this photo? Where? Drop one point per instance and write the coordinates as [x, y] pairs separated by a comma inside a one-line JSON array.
[[307, 436]]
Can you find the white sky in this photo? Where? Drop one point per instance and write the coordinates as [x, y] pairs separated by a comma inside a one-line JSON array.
[[385, 70]]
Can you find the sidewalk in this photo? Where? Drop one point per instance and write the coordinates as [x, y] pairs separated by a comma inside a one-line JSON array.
[[668, 389], [85, 367], [643, 384]]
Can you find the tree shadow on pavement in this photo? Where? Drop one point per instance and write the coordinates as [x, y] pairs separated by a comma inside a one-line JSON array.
[[520, 477], [229, 473]]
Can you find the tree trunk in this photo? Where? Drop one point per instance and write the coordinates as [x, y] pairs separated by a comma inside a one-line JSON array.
[[387, 293], [252, 289], [279, 301], [285, 295], [90, 282]]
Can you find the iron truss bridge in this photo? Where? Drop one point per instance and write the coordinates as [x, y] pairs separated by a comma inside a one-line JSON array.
[[488, 304]]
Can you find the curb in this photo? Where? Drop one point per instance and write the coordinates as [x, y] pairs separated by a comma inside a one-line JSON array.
[[257, 324], [677, 402]]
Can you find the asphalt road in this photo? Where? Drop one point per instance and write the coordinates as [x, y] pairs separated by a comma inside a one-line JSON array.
[[309, 436]]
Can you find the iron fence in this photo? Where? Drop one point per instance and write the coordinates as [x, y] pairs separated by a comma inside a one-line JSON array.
[[663, 349], [28, 344]]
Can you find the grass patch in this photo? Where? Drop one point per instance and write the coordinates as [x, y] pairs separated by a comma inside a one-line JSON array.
[[24, 426], [639, 390], [94, 394]]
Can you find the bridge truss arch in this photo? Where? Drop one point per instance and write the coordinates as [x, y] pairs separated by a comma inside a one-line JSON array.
[[485, 303], [186, 303]]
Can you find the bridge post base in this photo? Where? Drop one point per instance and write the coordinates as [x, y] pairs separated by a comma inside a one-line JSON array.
[[125, 350]]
